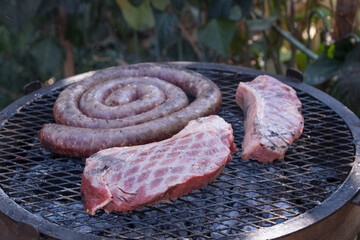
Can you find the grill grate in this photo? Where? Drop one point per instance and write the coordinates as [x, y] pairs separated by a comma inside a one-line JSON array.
[[246, 197]]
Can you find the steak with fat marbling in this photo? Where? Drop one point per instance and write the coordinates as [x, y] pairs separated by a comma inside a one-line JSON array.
[[273, 118], [125, 178]]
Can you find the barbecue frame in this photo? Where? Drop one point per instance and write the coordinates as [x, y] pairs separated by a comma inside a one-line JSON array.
[[336, 209]]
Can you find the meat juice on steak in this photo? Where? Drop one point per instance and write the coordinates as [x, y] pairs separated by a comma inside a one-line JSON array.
[[273, 118], [125, 178]]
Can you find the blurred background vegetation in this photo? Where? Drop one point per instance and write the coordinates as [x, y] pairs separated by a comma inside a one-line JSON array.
[[48, 40]]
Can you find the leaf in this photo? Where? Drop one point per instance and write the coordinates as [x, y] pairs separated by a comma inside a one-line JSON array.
[[160, 4], [300, 59], [346, 87], [342, 51], [5, 42], [217, 34], [182, 51], [25, 38], [49, 57], [354, 55], [136, 3], [17, 13], [321, 70], [260, 24], [330, 51], [343, 47], [219, 9], [139, 18], [88, 18], [99, 33], [70, 6], [74, 29], [285, 54], [235, 13], [177, 5], [166, 30], [246, 6], [9, 72]]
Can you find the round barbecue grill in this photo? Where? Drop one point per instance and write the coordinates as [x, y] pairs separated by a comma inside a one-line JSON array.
[[310, 194]]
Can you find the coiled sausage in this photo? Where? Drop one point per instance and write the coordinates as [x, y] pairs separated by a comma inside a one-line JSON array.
[[127, 105]]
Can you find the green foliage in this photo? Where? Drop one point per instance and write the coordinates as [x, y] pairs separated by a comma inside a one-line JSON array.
[[235, 13], [5, 41], [140, 17], [321, 70], [337, 70], [48, 56], [260, 24], [160, 4], [37, 41], [217, 34], [344, 84]]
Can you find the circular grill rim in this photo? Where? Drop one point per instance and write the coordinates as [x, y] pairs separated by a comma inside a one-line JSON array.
[[345, 192]]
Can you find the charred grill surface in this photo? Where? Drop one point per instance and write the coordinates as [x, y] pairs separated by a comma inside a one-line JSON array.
[[246, 197]]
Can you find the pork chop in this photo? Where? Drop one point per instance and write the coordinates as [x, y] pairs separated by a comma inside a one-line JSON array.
[[125, 178], [273, 118]]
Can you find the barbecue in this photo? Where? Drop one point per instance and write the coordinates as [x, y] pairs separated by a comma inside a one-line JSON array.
[[299, 195]]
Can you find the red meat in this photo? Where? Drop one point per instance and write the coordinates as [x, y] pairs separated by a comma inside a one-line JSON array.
[[125, 178], [273, 118]]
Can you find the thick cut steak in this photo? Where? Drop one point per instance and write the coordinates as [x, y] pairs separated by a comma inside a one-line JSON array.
[[125, 178], [273, 118]]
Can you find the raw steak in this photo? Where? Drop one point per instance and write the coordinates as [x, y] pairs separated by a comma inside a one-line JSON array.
[[273, 118], [125, 178]]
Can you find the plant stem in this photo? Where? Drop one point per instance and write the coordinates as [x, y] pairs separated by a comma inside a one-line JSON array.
[[291, 39]]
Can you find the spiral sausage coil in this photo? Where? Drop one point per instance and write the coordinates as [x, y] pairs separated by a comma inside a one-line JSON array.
[[127, 105]]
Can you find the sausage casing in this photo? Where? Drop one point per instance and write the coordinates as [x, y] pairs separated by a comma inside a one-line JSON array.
[[157, 109]]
